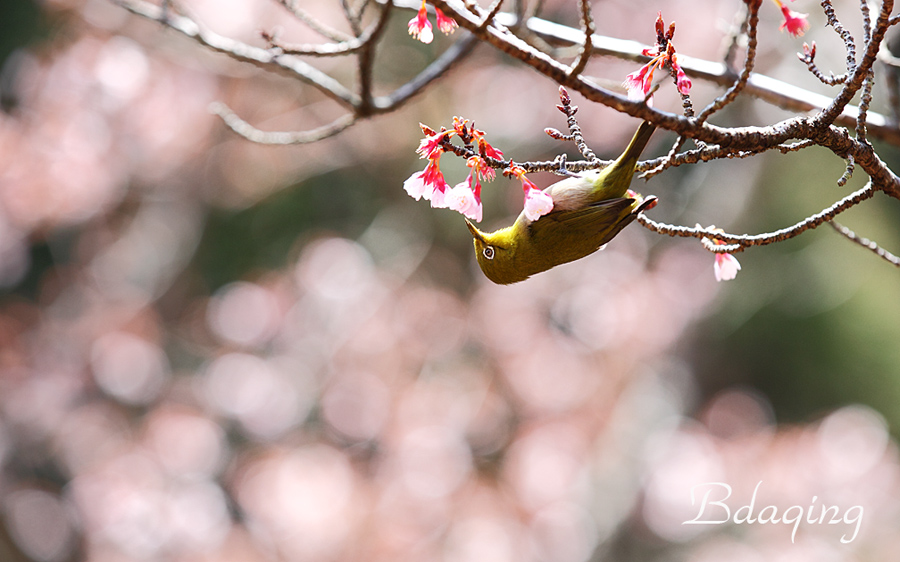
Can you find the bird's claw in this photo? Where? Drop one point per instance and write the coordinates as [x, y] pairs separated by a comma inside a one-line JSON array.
[[563, 170]]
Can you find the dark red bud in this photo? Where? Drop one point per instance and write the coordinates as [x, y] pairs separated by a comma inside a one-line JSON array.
[[428, 131], [564, 95], [553, 133]]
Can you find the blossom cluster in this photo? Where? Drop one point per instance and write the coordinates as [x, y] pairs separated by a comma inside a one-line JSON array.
[[464, 197], [420, 27], [639, 82]]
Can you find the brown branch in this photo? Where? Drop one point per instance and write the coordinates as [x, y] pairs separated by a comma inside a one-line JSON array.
[[776, 92]]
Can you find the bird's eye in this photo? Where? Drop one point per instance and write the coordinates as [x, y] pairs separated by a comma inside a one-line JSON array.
[[488, 252]]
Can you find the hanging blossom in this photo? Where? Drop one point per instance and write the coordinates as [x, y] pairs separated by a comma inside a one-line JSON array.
[[639, 82], [537, 203], [726, 266], [794, 22], [465, 197], [471, 135], [445, 23], [430, 182], [420, 27]]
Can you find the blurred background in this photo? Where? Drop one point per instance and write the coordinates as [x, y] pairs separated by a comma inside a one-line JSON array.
[[217, 351]]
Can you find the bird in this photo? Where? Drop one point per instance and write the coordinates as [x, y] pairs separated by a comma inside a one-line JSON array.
[[588, 211]]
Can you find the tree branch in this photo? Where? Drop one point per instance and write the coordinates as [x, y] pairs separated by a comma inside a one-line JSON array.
[[249, 132], [263, 58], [739, 242]]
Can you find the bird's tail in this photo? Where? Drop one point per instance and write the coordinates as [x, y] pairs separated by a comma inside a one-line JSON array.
[[614, 180], [636, 146]]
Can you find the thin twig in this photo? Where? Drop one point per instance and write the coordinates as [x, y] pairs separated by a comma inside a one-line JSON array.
[[848, 172], [327, 49], [243, 52], [867, 20], [588, 28], [809, 58], [491, 12], [858, 73], [865, 243], [739, 242], [351, 17], [749, 60], [577, 136], [864, 101], [733, 37], [366, 61], [251, 133], [437, 68], [313, 23], [849, 43]]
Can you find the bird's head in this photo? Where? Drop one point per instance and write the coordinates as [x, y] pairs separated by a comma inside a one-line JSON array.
[[497, 254]]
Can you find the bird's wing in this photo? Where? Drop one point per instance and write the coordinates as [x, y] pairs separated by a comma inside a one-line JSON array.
[[594, 218]]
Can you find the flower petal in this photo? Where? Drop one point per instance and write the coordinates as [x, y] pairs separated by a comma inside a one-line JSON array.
[[420, 27], [726, 267], [445, 24], [537, 203], [794, 22]]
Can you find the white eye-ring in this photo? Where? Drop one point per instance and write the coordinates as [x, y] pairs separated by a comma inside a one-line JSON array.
[[488, 252]]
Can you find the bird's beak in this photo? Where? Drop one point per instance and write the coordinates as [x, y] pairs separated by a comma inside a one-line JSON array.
[[477, 234]]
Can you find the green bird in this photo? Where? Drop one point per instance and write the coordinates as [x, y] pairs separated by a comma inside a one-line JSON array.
[[588, 211]]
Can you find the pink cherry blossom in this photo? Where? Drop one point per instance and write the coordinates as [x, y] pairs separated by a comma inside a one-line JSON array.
[[446, 24], [430, 146], [682, 82], [420, 27], [639, 82], [462, 199], [794, 22], [726, 267], [488, 150], [429, 183], [537, 203], [465, 197]]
